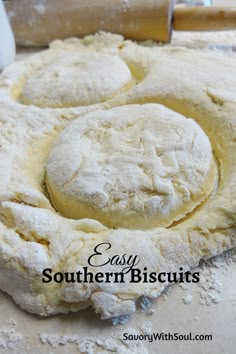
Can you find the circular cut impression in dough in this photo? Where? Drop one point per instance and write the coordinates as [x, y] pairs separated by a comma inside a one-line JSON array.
[[77, 80], [136, 166]]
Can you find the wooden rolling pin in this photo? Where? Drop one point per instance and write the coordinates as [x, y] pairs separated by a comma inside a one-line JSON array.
[[37, 22]]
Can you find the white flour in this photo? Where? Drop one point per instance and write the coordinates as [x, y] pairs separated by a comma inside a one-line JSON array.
[[40, 7], [211, 289], [210, 292], [93, 344], [187, 299], [9, 336]]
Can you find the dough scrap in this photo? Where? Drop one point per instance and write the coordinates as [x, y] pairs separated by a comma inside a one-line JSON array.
[[33, 236], [137, 166]]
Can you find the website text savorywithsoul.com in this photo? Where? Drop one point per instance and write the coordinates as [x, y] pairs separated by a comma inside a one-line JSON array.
[[161, 336]]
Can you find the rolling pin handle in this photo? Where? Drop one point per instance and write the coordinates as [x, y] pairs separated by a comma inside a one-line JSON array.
[[204, 19]]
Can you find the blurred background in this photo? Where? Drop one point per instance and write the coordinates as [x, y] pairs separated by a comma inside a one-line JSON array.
[[207, 2]]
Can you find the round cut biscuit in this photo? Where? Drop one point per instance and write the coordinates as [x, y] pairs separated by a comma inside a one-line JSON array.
[[136, 166], [77, 80]]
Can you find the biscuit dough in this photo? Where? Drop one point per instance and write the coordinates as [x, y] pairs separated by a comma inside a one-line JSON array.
[[135, 166], [77, 79], [34, 236]]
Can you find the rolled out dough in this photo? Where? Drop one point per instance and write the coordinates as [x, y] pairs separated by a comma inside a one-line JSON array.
[[34, 236]]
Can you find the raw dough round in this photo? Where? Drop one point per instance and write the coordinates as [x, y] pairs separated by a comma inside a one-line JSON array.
[[77, 80], [133, 166]]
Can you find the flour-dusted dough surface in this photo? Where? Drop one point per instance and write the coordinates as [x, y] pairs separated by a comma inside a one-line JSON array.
[[33, 236], [136, 166], [77, 79]]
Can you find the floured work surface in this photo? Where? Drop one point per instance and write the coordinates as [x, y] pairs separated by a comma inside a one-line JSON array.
[[203, 89]]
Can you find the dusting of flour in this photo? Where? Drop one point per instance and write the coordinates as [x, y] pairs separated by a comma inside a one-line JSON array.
[[210, 292], [9, 336]]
